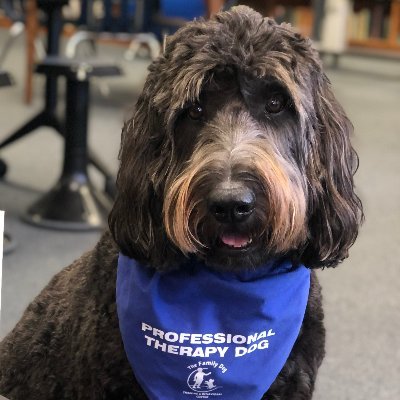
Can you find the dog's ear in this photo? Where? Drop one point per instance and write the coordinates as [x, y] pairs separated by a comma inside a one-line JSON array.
[[335, 211], [147, 156], [130, 220], [135, 220]]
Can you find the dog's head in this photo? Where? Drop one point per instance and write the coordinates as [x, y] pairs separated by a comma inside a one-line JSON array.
[[238, 152]]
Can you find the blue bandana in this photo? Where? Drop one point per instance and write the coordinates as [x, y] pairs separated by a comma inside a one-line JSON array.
[[199, 334]]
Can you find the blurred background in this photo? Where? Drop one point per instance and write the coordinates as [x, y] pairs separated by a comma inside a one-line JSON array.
[[70, 73]]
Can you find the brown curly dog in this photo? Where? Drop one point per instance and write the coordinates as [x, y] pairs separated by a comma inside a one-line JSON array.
[[237, 154]]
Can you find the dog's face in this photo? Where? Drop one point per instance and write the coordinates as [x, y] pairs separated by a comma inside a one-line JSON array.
[[238, 153], [239, 196]]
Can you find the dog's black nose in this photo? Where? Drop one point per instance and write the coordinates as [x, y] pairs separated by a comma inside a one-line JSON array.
[[231, 205]]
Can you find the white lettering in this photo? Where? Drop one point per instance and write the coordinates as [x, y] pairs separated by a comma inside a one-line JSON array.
[[173, 349], [252, 348], [146, 327], [213, 364], [160, 346], [222, 351], [223, 368], [196, 338], [149, 340], [239, 339], [171, 337], [262, 335], [185, 351], [207, 338], [257, 341], [252, 338], [183, 337], [158, 332], [219, 338], [240, 351], [198, 352], [209, 350]]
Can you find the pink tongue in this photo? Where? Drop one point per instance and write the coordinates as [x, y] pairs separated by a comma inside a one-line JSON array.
[[235, 240]]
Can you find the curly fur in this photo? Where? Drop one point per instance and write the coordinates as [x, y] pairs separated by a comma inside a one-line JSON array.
[[299, 165], [256, 47]]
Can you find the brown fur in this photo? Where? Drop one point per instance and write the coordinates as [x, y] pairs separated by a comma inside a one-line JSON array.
[[297, 165], [260, 50]]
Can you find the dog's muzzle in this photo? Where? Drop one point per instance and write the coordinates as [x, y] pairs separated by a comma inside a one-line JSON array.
[[231, 206]]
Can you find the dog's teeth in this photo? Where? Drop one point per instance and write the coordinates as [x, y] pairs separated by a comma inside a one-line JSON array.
[[235, 241]]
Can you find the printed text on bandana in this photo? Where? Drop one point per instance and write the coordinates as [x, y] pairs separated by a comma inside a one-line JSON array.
[[205, 345]]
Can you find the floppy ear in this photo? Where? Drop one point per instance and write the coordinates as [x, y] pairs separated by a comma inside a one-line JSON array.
[[147, 156], [335, 211], [135, 220]]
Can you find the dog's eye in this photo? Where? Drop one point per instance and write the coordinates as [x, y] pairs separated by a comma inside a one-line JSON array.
[[276, 102], [195, 111]]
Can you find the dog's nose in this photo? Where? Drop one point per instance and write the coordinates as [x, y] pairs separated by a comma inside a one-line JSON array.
[[231, 205]]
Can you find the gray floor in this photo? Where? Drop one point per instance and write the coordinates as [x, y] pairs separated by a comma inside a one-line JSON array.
[[362, 296]]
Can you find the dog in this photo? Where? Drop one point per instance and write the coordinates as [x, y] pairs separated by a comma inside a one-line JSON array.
[[237, 156]]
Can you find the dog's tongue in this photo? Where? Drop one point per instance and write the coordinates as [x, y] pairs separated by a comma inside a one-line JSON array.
[[236, 241]]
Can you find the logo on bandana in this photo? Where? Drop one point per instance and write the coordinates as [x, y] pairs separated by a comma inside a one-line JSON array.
[[203, 379]]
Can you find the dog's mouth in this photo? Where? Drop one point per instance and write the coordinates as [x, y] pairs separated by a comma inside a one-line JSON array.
[[234, 242]]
